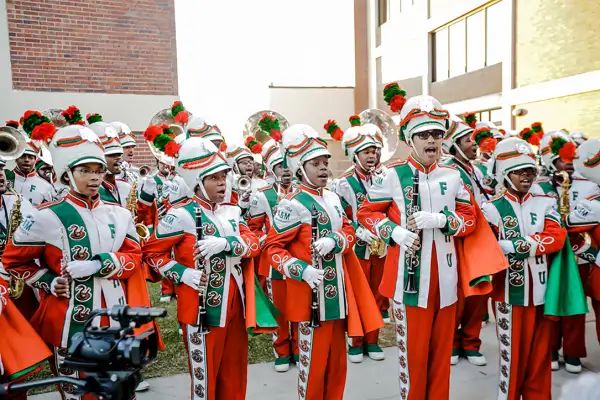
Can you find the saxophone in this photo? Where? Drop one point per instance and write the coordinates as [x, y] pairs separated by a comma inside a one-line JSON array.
[[15, 285], [131, 205]]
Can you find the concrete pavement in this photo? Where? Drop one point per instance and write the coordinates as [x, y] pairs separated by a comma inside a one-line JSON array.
[[373, 380]]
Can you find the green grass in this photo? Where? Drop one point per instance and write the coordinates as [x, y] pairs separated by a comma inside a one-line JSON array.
[[173, 360]]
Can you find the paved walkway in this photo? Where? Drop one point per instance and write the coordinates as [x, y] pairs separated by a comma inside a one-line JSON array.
[[373, 380]]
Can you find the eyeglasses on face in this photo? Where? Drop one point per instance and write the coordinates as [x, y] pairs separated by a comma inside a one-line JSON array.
[[87, 173], [435, 133], [525, 172]]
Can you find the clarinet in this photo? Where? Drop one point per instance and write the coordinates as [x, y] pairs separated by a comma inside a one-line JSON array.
[[202, 318], [410, 285], [315, 318]]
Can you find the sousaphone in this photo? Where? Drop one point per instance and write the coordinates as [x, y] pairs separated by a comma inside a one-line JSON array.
[[392, 146], [164, 117], [251, 127]]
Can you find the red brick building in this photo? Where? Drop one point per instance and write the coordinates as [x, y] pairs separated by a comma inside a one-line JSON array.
[[117, 58]]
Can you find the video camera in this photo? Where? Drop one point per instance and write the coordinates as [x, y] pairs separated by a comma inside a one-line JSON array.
[[111, 358]]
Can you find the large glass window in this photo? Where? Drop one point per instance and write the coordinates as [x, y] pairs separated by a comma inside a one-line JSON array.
[[470, 43], [441, 55], [458, 48], [476, 41], [495, 26]]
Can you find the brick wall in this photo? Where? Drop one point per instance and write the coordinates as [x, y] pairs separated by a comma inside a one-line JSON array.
[[96, 46], [575, 113], [555, 39], [142, 154]]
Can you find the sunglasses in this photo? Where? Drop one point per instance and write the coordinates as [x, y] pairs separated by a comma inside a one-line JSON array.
[[424, 135], [525, 172]]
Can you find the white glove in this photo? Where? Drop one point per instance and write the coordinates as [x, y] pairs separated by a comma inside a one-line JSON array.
[[427, 220], [245, 199], [313, 276], [365, 235], [1, 367], [324, 246], [211, 245], [192, 277], [403, 237], [82, 269], [149, 187], [506, 246]]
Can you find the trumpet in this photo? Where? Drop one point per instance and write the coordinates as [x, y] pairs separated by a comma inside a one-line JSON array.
[[242, 183]]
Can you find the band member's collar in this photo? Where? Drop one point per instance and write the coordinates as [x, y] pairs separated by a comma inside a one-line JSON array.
[[205, 204], [363, 176], [17, 171], [81, 201], [110, 185], [417, 164], [466, 166], [317, 191], [516, 199]]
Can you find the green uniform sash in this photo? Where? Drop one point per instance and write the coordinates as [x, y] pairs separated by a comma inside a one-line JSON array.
[[330, 286], [360, 248]]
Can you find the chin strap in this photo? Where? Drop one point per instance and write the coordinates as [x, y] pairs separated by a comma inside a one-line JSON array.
[[462, 154], [72, 183], [512, 185], [306, 176], [203, 190]]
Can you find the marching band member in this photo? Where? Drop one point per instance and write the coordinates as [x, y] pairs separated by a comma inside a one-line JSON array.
[[241, 160], [224, 273], [558, 151], [461, 142], [128, 144], [11, 205], [311, 242], [529, 229], [88, 250], [23, 178], [112, 189], [585, 218], [421, 269], [264, 205], [362, 145]]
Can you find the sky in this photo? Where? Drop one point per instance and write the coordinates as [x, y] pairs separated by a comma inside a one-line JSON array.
[[230, 51]]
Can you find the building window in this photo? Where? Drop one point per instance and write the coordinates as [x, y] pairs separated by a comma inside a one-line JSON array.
[[494, 116], [495, 24], [468, 44], [383, 11], [441, 58]]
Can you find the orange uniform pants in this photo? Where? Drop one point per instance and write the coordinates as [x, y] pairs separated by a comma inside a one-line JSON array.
[[524, 339], [469, 316], [322, 365], [218, 361], [373, 269], [596, 306], [424, 345], [285, 340], [569, 332]]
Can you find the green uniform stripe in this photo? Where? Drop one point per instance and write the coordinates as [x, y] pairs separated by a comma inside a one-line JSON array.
[[516, 294], [80, 249], [360, 194]]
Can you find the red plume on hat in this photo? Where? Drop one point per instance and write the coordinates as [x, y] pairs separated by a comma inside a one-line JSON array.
[[354, 120], [394, 96], [73, 116], [38, 126], [528, 135], [334, 130], [161, 138], [563, 148], [470, 119], [270, 125], [253, 144], [179, 113], [12, 123], [485, 139]]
